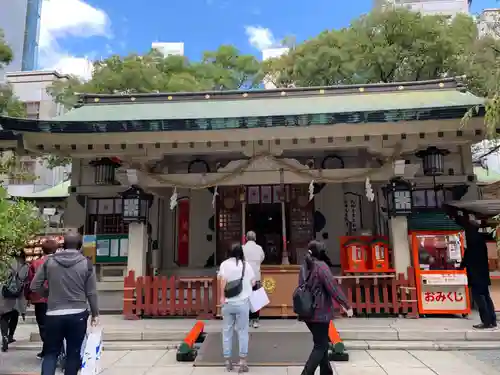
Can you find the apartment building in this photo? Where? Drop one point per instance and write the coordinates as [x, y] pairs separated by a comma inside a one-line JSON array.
[[429, 7], [169, 49], [31, 88], [488, 22]]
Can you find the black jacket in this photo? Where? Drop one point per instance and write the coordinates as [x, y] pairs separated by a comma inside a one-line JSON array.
[[475, 258]]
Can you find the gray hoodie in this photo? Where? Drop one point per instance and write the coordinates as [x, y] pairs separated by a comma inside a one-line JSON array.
[[72, 282]]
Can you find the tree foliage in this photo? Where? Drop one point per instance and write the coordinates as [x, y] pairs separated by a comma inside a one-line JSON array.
[[9, 104], [19, 223], [382, 46], [223, 69]]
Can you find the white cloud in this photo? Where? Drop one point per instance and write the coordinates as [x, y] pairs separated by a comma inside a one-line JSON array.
[[69, 19], [260, 37]]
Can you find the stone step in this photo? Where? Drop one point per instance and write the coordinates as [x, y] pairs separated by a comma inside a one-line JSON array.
[[378, 335], [350, 345]]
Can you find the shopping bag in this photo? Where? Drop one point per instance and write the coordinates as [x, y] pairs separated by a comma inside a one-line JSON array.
[[258, 299], [91, 353]]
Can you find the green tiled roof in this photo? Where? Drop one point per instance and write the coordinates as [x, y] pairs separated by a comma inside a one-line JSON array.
[[275, 106], [58, 191], [431, 221], [486, 176]]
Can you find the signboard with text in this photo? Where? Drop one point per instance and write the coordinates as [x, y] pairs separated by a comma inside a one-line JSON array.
[[445, 299]]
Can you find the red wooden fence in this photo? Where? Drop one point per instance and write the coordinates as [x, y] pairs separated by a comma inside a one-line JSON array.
[[195, 297], [382, 294], [169, 296]]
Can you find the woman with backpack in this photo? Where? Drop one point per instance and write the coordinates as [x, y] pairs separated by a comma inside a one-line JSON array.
[[12, 301], [318, 289], [236, 279]]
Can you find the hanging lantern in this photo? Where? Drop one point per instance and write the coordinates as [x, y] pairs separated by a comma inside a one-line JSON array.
[[136, 204], [433, 160], [399, 197], [104, 170]]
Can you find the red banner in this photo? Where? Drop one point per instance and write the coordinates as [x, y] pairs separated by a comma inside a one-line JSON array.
[[183, 232]]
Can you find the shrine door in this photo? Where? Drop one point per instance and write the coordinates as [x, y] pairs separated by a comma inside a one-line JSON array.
[[229, 221], [301, 222]]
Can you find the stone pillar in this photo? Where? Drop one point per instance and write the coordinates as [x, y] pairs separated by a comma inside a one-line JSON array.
[[398, 227], [137, 248]]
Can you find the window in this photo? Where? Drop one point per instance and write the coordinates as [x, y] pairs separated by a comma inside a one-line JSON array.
[[426, 198], [105, 216], [32, 110], [24, 173]]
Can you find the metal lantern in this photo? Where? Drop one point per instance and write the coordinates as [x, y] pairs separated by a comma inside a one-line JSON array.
[[136, 204], [433, 160], [104, 170], [399, 197]]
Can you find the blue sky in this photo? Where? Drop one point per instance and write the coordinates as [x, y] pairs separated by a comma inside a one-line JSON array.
[[98, 28]]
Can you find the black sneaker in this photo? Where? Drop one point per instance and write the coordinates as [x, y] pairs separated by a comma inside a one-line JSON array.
[[5, 344], [484, 326], [11, 340], [40, 355]]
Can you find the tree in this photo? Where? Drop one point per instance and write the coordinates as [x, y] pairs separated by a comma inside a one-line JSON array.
[[223, 69], [9, 104], [383, 46], [19, 223]]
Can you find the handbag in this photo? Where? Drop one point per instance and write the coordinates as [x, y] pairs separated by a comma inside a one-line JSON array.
[[234, 288]]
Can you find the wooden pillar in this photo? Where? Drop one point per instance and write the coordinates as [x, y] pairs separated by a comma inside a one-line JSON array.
[[243, 221], [284, 255]]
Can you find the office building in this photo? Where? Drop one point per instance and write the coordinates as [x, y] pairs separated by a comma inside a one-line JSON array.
[[429, 7], [20, 22], [169, 49], [31, 89], [488, 22]]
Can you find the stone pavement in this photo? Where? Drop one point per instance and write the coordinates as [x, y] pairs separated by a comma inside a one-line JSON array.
[[160, 362], [367, 332]]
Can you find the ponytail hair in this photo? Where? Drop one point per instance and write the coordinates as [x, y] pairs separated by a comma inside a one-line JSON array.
[[313, 253], [237, 252]]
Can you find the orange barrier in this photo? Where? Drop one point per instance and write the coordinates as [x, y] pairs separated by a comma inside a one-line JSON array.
[[186, 351], [333, 335], [195, 332]]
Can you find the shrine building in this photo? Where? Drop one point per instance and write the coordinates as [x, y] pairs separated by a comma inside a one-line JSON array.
[[201, 169]]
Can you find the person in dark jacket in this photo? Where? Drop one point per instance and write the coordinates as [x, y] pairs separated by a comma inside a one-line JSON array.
[[39, 302], [475, 261], [322, 283]]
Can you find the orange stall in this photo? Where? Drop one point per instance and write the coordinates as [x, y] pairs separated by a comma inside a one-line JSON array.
[[441, 285]]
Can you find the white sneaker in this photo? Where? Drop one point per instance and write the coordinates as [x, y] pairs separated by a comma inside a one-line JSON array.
[[255, 324]]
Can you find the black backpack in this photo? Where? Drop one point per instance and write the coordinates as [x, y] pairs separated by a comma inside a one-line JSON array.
[[14, 286], [304, 299]]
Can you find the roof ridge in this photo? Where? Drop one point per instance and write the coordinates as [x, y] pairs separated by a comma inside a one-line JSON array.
[[450, 83]]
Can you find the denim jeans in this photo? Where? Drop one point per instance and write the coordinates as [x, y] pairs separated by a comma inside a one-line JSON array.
[[71, 328], [235, 318]]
